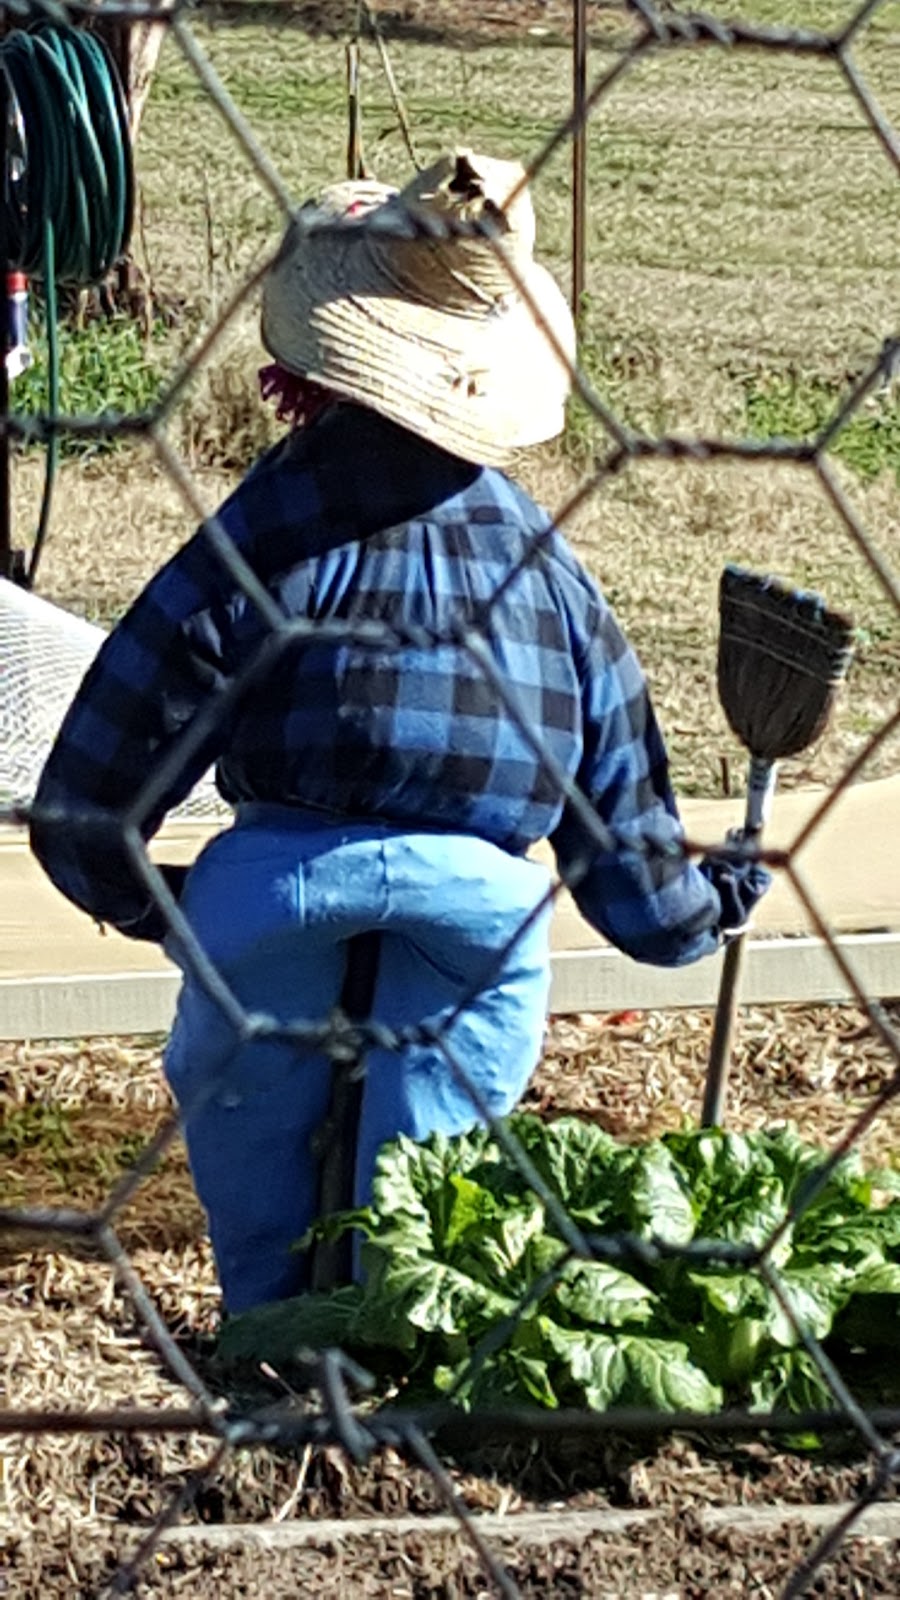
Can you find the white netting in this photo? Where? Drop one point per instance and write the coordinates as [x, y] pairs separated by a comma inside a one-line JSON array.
[[44, 654]]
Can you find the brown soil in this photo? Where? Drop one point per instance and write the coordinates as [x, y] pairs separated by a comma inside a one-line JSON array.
[[455, 23], [76, 1505], [671, 1561]]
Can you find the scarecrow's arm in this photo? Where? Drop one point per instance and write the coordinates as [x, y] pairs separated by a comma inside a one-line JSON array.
[[636, 886], [145, 687]]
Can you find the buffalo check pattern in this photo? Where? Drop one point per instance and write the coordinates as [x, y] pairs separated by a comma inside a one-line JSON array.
[[384, 557]]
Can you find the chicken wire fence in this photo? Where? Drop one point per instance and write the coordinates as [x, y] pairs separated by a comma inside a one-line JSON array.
[[339, 1413]]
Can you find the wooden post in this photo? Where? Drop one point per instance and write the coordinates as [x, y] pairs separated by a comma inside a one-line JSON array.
[[134, 47]]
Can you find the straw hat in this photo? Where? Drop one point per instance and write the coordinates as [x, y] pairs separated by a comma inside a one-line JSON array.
[[398, 300]]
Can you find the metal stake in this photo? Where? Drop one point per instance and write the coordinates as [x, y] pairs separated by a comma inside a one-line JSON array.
[[579, 154]]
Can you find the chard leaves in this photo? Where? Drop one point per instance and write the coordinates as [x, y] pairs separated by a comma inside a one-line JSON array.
[[461, 1260]]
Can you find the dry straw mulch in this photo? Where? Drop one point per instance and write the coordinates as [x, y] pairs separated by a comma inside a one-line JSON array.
[[70, 1338]]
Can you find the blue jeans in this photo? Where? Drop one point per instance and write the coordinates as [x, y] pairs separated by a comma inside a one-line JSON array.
[[273, 902]]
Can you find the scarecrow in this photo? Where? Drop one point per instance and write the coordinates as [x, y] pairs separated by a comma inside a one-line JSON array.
[[394, 749]]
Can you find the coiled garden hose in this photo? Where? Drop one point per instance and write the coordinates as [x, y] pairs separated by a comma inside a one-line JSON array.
[[68, 181]]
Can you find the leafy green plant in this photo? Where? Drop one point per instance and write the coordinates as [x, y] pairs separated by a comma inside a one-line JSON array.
[[455, 1240], [109, 1164], [36, 1126], [106, 366], [46, 1131]]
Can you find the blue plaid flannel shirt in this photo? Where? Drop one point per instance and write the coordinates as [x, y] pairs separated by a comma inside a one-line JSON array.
[[379, 550]]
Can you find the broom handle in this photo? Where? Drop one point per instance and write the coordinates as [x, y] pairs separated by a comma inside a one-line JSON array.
[[723, 1032], [760, 788]]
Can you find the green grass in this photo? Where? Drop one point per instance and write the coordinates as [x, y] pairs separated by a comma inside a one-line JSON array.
[[104, 367], [767, 404], [795, 406]]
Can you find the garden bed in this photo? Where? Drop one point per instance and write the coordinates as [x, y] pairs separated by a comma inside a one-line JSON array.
[[76, 1114]]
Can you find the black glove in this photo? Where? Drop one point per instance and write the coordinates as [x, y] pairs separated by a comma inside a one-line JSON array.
[[739, 885]]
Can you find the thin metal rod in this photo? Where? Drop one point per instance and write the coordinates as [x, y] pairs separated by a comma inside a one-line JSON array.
[[355, 161], [579, 153]]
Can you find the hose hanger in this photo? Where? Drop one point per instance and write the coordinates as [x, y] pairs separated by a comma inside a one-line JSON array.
[[68, 152], [67, 195]]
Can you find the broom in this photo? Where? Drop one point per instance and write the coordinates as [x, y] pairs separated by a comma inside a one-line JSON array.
[[782, 654]]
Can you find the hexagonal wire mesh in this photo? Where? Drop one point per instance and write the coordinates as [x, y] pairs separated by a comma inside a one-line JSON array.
[[353, 1427]]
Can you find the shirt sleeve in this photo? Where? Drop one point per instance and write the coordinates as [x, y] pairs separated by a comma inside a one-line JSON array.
[[640, 891], [149, 719]]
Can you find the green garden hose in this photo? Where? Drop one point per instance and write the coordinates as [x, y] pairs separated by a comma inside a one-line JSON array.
[[68, 181]]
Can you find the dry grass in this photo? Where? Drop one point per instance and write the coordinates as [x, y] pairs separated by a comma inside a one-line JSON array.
[[656, 541], [640, 1074], [117, 519]]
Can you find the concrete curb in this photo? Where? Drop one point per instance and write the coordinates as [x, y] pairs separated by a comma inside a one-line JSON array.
[[880, 1522], [777, 972]]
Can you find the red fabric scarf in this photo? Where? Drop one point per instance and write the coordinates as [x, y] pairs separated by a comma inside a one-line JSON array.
[[298, 400]]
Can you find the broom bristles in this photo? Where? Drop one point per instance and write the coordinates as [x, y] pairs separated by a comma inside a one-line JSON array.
[[782, 654]]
